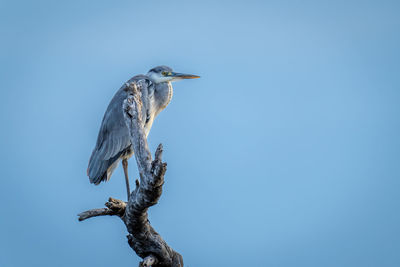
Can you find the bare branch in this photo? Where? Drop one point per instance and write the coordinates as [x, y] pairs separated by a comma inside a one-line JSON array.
[[143, 238], [94, 213], [114, 207]]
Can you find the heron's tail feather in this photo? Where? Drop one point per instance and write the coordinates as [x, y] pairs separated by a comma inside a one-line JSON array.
[[100, 170]]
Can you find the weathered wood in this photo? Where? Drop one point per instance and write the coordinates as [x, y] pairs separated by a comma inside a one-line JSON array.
[[148, 261], [114, 207], [142, 238]]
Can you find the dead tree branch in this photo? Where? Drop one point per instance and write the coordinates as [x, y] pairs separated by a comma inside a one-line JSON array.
[[142, 237]]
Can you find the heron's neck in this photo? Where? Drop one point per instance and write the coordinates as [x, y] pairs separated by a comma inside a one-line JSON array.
[[163, 94]]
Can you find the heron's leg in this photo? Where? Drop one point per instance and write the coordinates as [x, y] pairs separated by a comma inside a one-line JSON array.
[[125, 165]]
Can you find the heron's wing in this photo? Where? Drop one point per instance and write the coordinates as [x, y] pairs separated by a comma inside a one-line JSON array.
[[113, 140]]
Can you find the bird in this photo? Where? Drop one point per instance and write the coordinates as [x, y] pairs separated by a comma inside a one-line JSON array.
[[113, 141]]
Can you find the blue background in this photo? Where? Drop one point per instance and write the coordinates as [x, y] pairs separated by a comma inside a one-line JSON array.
[[285, 153]]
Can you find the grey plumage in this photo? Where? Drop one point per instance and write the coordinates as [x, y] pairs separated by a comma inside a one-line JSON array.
[[113, 141]]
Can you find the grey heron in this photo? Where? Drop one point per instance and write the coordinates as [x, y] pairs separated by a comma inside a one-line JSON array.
[[113, 141]]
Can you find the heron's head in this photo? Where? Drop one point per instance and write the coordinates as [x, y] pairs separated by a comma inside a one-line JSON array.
[[163, 74]]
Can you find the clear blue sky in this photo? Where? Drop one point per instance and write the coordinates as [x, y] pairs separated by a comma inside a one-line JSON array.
[[285, 153]]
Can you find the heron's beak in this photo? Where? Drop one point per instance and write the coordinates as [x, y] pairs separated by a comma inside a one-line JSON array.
[[179, 76]]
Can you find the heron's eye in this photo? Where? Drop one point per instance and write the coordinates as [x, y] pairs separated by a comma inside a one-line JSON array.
[[164, 73]]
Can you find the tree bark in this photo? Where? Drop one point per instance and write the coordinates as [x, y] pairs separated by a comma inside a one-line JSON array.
[[142, 237]]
